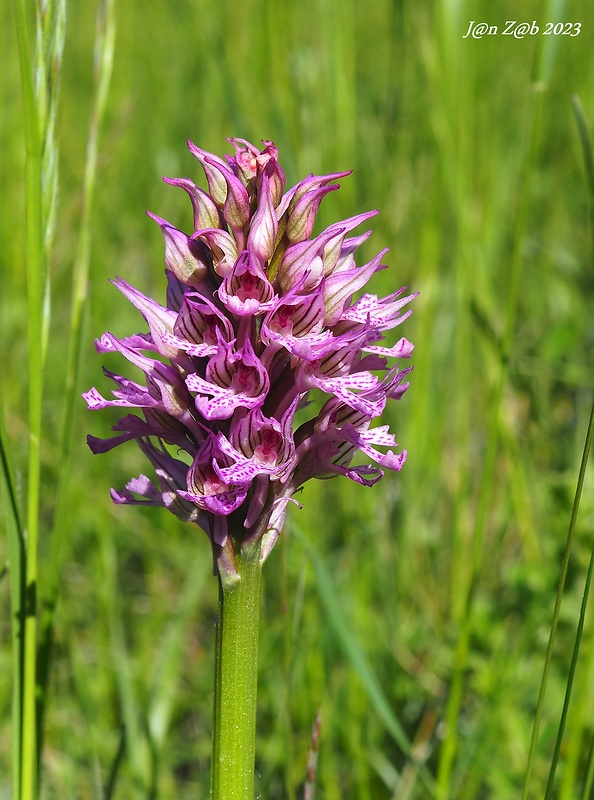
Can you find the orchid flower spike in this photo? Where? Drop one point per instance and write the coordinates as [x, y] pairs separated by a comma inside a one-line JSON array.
[[257, 315]]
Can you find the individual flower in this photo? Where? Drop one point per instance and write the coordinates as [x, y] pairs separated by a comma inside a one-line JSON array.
[[258, 316]]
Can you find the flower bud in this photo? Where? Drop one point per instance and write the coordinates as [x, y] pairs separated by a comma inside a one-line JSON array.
[[217, 185], [188, 263], [303, 215], [206, 214], [236, 208], [264, 225]]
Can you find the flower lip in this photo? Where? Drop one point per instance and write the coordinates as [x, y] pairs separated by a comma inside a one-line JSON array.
[[233, 378], [205, 486], [246, 291], [200, 324]]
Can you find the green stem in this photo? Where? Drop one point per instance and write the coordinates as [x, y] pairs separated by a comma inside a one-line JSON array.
[[35, 282], [236, 680]]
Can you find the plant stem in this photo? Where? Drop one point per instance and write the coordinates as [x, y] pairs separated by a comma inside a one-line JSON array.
[[27, 785], [236, 680]]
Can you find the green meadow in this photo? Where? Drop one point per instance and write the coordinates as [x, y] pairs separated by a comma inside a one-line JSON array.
[[414, 617]]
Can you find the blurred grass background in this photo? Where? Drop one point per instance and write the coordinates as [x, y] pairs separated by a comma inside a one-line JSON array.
[[470, 149]]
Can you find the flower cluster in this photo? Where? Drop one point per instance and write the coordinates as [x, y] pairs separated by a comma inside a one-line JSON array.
[[258, 316]]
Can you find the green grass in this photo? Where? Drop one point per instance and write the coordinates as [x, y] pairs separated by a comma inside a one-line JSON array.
[[416, 614]]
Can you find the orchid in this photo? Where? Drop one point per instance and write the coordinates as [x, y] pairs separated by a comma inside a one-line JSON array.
[[258, 314], [260, 321]]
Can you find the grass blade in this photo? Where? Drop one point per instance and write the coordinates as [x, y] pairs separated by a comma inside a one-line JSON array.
[[165, 674], [35, 267], [104, 52], [16, 561], [584, 605], [588, 158], [136, 744], [589, 782], [359, 660], [568, 544]]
